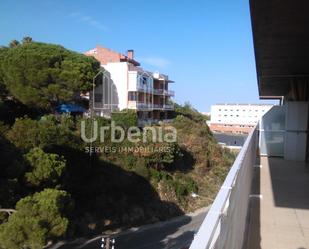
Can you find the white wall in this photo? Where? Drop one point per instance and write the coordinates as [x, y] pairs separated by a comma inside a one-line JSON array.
[[296, 130], [119, 75], [237, 114], [132, 80]]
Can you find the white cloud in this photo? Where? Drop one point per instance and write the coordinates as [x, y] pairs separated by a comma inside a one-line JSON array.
[[88, 20], [156, 61]]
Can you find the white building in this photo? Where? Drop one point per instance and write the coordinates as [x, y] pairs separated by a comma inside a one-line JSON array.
[[236, 118], [125, 85]]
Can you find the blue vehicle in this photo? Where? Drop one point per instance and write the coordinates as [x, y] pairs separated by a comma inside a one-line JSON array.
[[70, 108]]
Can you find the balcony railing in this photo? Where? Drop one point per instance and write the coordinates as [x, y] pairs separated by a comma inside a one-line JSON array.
[[168, 107], [169, 92], [144, 89], [159, 91], [225, 223], [149, 106], [163, 106]]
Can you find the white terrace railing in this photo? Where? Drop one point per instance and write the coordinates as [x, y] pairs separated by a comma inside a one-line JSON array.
[[225, 224]]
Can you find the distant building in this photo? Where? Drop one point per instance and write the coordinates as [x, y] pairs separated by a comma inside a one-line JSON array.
[[236, 118], [128, 86]]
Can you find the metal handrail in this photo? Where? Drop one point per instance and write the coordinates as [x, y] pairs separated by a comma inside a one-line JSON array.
[[209, 231]]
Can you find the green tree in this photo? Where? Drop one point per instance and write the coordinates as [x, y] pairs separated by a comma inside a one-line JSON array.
[[26, 133], [126, 118], [43, 75], [11, 168], [39, 218], [14, 44], [27, 39], [3, 90], [45, 168]]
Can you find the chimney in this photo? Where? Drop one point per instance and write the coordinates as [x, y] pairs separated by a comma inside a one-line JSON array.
[[130, 54]]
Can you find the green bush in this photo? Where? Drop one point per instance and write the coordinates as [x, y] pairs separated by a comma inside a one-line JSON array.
[[155, 175], [183, 185], [142, 170], [45, 168], [180, 190], [126, 119]]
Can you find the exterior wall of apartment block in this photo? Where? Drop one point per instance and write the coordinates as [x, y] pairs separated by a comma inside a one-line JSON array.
[[130, 87], [236, 118], [119, 77]]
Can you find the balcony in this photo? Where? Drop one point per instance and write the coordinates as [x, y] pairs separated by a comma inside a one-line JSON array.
[[262, 204], [168, 107], [144, 88], [164, 107], [159, 91], [149, 106], [169, 93], [164, 92]]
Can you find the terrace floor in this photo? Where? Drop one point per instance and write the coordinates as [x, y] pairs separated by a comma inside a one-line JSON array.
[[279, 219]]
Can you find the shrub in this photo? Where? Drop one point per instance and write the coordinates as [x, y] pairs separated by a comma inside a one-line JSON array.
[[142, 171], [45, 168], [125, 119]]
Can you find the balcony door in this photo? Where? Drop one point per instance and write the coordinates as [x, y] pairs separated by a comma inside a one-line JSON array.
[[272, 132]]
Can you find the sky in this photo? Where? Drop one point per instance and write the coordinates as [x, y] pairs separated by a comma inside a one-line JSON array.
[[205, 46]]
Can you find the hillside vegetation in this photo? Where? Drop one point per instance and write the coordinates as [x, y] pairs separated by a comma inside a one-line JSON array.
[[51, 187]]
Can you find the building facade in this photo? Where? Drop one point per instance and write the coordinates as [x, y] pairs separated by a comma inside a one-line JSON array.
[[236, 118], [125, 85]]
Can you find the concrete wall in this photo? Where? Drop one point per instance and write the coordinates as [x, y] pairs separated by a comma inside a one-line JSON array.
[[119, 76]]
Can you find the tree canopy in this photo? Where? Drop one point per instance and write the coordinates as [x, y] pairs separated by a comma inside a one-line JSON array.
[[43, 75], [45, 168], [39, 217], [27, 133]]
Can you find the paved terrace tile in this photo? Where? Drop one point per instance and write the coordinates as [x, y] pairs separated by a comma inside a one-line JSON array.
[[280, 218]]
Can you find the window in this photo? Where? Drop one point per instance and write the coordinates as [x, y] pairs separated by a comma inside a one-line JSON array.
[[144, 80], [98, 97], [132, 96]]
